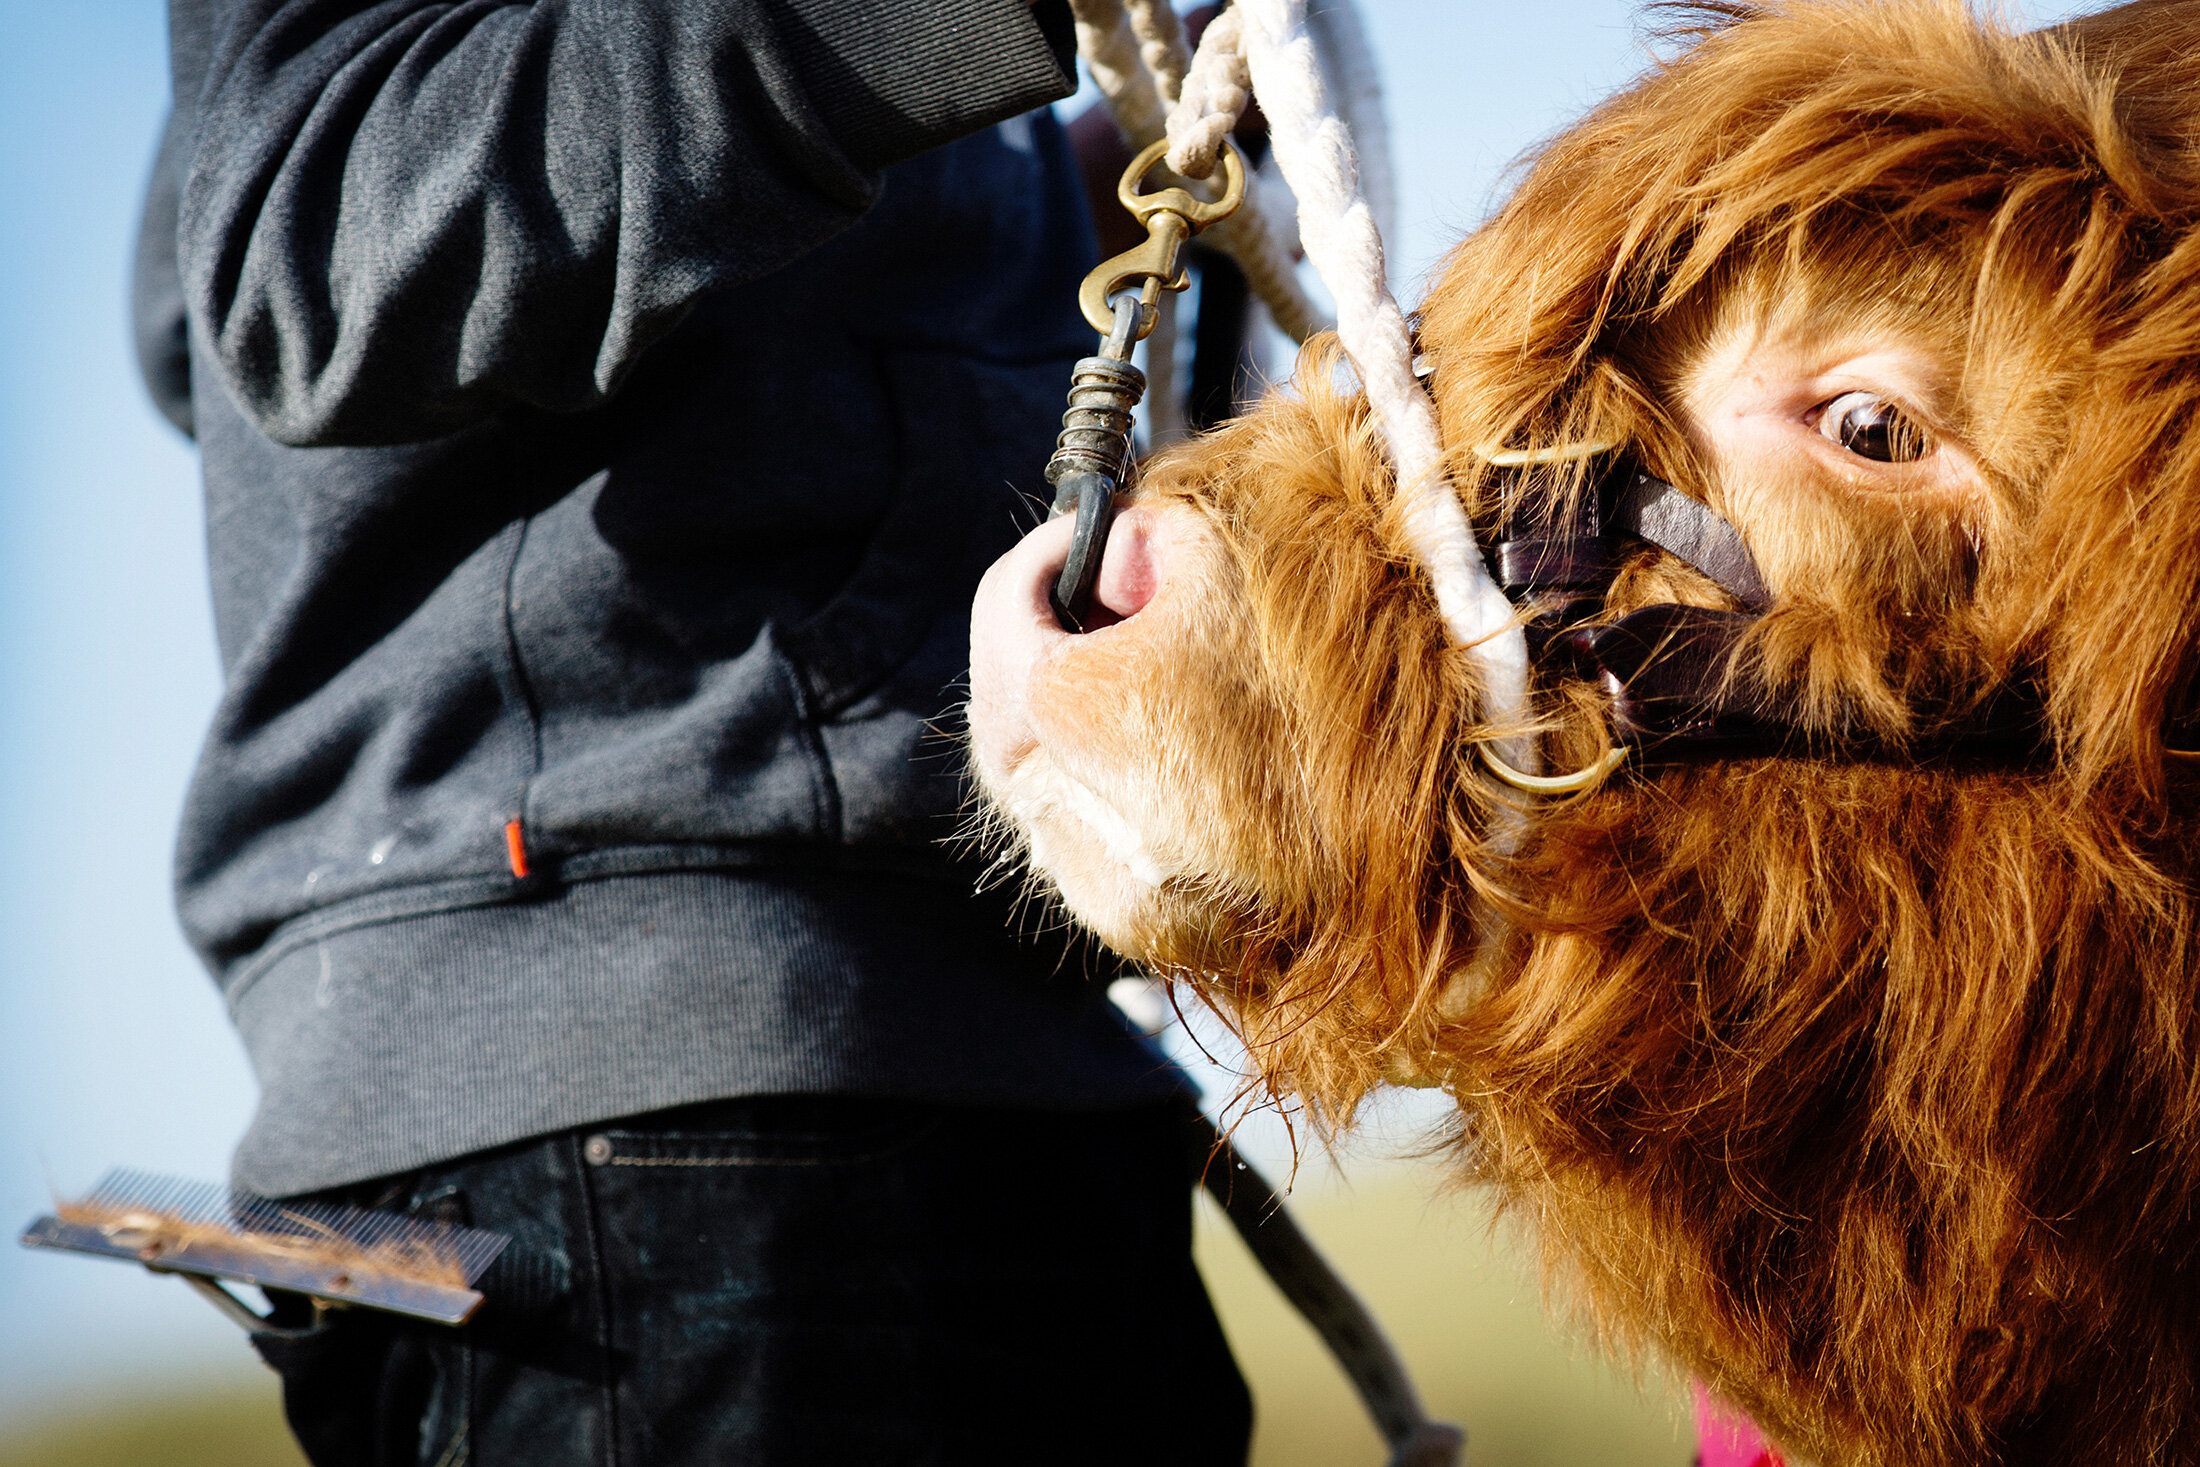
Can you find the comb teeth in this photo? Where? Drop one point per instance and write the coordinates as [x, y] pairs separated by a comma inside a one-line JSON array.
[[470, 1250]]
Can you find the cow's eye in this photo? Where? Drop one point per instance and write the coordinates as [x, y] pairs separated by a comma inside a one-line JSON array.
[[1871, 427]]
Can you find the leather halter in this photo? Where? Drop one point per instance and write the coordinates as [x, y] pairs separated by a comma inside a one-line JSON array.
[[1677, 688]]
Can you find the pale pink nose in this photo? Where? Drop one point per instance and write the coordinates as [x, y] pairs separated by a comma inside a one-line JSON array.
[[1130, 569]]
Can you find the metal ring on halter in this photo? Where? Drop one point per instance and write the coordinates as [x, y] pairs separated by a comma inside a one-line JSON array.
[[1558, 453], [1555, 784]]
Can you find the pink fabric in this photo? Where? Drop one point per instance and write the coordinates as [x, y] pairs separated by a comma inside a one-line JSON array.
[[1726, 1438]]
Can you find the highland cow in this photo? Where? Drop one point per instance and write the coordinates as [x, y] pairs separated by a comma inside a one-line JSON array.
[[1852, 1066]]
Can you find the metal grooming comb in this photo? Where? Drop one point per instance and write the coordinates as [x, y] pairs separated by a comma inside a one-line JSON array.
[[206, 1232]]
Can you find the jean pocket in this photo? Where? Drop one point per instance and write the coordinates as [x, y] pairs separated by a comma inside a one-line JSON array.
[[767, 1131], [363, 1390]]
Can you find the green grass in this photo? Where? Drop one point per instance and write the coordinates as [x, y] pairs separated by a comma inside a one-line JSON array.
[[1455, 1300], [1463, 1310], [229, 1426]]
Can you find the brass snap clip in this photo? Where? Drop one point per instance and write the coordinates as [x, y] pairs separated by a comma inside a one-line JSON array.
[[1171, 216]]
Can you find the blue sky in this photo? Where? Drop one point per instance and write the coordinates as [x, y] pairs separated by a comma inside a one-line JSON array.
[[112, 1042], [113, 1047]]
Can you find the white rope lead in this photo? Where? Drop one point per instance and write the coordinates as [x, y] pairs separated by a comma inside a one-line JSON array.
[[1356, 87], [1337, 229], [1215, 94], [1110, 50], [1266, 46]]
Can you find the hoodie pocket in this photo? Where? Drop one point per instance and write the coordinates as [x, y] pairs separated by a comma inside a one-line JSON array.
[[924, 560]]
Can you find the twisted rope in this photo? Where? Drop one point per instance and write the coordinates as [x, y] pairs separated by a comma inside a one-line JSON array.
[[1348, 61], [1214, 96], [1114, 36], [1337, 228], [1161, 45], [1110, 49], [1215, 93]]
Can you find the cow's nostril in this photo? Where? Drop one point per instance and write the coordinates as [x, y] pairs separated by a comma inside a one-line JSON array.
[[1130, 571]]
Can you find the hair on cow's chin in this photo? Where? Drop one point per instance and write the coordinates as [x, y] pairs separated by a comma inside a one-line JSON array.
[[1855, 1088], [1331, 764]]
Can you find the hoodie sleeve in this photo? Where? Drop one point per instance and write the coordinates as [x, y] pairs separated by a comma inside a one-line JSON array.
[[400, 216]]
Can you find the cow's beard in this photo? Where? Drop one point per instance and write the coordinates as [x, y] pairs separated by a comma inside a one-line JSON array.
[[1862, 1091]]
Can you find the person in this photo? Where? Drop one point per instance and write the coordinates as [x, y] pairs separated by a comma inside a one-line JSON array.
[[606, 409]]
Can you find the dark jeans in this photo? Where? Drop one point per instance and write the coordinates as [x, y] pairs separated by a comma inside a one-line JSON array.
[[791, 1279]]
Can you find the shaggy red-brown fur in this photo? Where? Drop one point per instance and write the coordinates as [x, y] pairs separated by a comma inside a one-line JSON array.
[[1868, 1091]]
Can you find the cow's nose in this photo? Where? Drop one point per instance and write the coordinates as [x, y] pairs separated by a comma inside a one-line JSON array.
[[1130, 569]]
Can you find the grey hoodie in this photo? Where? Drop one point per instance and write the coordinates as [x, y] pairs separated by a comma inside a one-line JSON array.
[[607, 407]]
